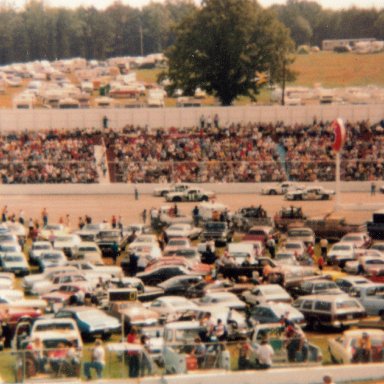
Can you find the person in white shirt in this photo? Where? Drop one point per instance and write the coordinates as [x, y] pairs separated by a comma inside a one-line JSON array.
[[264, 354], [98, 361]]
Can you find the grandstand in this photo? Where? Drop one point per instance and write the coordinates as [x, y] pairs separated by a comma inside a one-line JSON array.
[[210, 153]]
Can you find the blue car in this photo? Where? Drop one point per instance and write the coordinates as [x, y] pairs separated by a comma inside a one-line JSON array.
[[92, 322]]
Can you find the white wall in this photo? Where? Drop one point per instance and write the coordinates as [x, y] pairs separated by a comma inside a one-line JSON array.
[[118, 189], [38, 119]]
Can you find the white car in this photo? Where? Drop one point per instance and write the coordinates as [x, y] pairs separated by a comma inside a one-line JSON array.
[[282, 188], [50, 231], [7, 280], [367, 263], [267, 293], [225, 299], [341, 252], [176, 244], [10, 295], [183, 230], [94, 271], [67, 243], [348, 283], [310, 193], [379, 246], [44, 286], [52, 258], [89, 251], [163, 191], [37, 248], [343, 348], [16, 263], [28, 282], [143, 240], [284, 257], [195, 194], [297, 247], [304, 234], [171, 307], [90, 231], [7, 248], [358, 239]]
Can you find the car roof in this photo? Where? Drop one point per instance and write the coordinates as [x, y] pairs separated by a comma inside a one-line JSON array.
[[183, 325], [331, 298]]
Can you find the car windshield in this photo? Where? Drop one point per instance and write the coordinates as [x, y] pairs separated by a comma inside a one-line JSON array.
[[352, 238], [88, 249], [187, 334], [42, 246], [64, 238], [51, 256], [292, 246], [375, 261], [13, 258], [54, 326], [299, 233], [215, 226], [341, 248], [175, 243], [177, 228], [53, 227]]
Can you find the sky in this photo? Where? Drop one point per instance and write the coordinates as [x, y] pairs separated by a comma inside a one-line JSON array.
[[101, 4]]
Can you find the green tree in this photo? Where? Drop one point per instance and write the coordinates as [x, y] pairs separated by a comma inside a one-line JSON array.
[[222, 45]]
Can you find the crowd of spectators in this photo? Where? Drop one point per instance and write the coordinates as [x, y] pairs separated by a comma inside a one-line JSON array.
[[48, 157], [234, 153], [209, 153]]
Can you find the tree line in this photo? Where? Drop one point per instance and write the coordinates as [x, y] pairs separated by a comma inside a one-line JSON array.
[[38, 32]]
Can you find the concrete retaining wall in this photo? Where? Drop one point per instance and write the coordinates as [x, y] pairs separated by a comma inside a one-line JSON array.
[[121, 189], [38, 119]]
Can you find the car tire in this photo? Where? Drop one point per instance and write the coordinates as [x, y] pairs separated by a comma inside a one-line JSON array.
[[333, 359], [176, 199], [381, 314], [272, 192], [106, 336], [205, 198], [325, 197]]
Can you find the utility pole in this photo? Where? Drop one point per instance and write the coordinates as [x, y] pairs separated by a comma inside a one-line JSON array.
[[141, 41]]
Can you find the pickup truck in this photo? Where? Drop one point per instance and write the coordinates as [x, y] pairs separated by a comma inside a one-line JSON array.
[[371, 298], [376, 226], [332, 228], [291, 216], [247, 217]]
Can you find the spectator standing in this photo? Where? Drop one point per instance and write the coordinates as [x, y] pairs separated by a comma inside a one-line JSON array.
[[144, 215], [44, 217], [145, 362], [373, 188], [97, 361], [115, 251], [133, 356], [264, 354], [271, 244], [199, 351], [136, 192], [324, 247], [105, 122], [364, 349], [21, 217]]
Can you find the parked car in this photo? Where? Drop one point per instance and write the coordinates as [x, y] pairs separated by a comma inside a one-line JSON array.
[[175, 244], [179, 285], [337, 311], [314, 287], [304, 234], [8, 247], [371, 297], [183, 230], [357, 239], [310, 193], [157, 275], [274, 312], [247, 217], [88, 251], [340, 253], [15, 262], [91, 321], [50, 259], [171, 307], [217, 231], [52, 230], [226, 299], [67, 243], [260, 233], [267, 293], [332, 227], [37, 248], [342, 349], [365, 264], [348, 283], [297, 247]]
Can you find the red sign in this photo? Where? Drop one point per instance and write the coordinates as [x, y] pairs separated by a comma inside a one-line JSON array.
[[340, 134]]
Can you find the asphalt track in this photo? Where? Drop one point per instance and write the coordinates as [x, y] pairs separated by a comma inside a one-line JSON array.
[[102, 207]]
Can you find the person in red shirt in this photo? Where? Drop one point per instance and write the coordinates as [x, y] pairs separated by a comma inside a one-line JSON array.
[[133, 356]]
